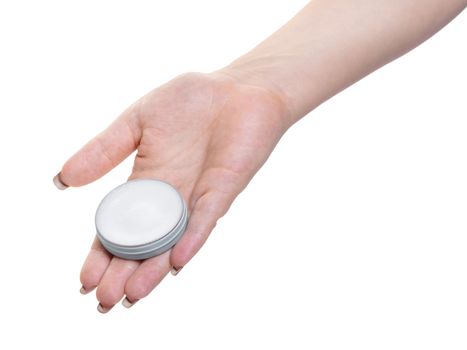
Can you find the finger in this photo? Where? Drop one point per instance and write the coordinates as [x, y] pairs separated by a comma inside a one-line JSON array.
[[112, 285], [102, 153], [205, 213], [94, 267], [146, 277]]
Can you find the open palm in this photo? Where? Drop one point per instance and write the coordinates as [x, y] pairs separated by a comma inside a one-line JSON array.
[[207, 135]]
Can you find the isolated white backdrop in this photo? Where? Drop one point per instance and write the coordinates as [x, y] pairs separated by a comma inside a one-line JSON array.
[[352, 236]]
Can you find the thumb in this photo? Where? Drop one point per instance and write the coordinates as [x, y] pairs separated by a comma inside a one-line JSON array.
[[101, 154]]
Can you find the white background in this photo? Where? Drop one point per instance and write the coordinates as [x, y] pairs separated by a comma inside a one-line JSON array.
[[352, 236]]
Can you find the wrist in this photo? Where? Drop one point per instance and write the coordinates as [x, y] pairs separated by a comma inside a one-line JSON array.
[[256, 73]]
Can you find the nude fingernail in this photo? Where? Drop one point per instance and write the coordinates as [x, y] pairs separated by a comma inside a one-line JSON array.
[[83, 290], [102, 309], [59, 183], [127, 303], [176, 270]]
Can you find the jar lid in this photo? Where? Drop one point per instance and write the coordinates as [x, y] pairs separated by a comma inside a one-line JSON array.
[[140, 219]]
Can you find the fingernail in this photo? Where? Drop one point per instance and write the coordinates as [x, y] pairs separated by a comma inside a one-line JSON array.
[[127, 303], [102, 309], [176, 270], [83, 290], [59, 183]]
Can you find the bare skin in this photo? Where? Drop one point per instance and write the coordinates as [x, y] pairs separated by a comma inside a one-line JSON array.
[[208, 134], [205, 135]]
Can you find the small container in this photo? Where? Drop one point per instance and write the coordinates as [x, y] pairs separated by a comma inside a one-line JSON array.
[[141, 219]]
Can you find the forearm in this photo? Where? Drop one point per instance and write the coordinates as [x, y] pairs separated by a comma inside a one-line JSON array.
[[331, 44]]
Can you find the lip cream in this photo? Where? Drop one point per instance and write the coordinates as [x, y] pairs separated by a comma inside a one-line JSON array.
[[141, 219]]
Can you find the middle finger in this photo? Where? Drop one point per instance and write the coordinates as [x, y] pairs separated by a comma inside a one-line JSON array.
[[112, 286]]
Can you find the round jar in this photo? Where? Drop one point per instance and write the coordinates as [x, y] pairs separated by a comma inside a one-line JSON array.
[[141, 219]]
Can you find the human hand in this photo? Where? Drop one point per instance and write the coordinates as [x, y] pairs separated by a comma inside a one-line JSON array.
[[208, 134], [205, 134]]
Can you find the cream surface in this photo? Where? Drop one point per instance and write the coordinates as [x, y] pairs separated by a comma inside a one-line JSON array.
[[139, 212]]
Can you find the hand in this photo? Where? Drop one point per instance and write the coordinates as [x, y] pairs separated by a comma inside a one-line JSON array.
[[207, 135]]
